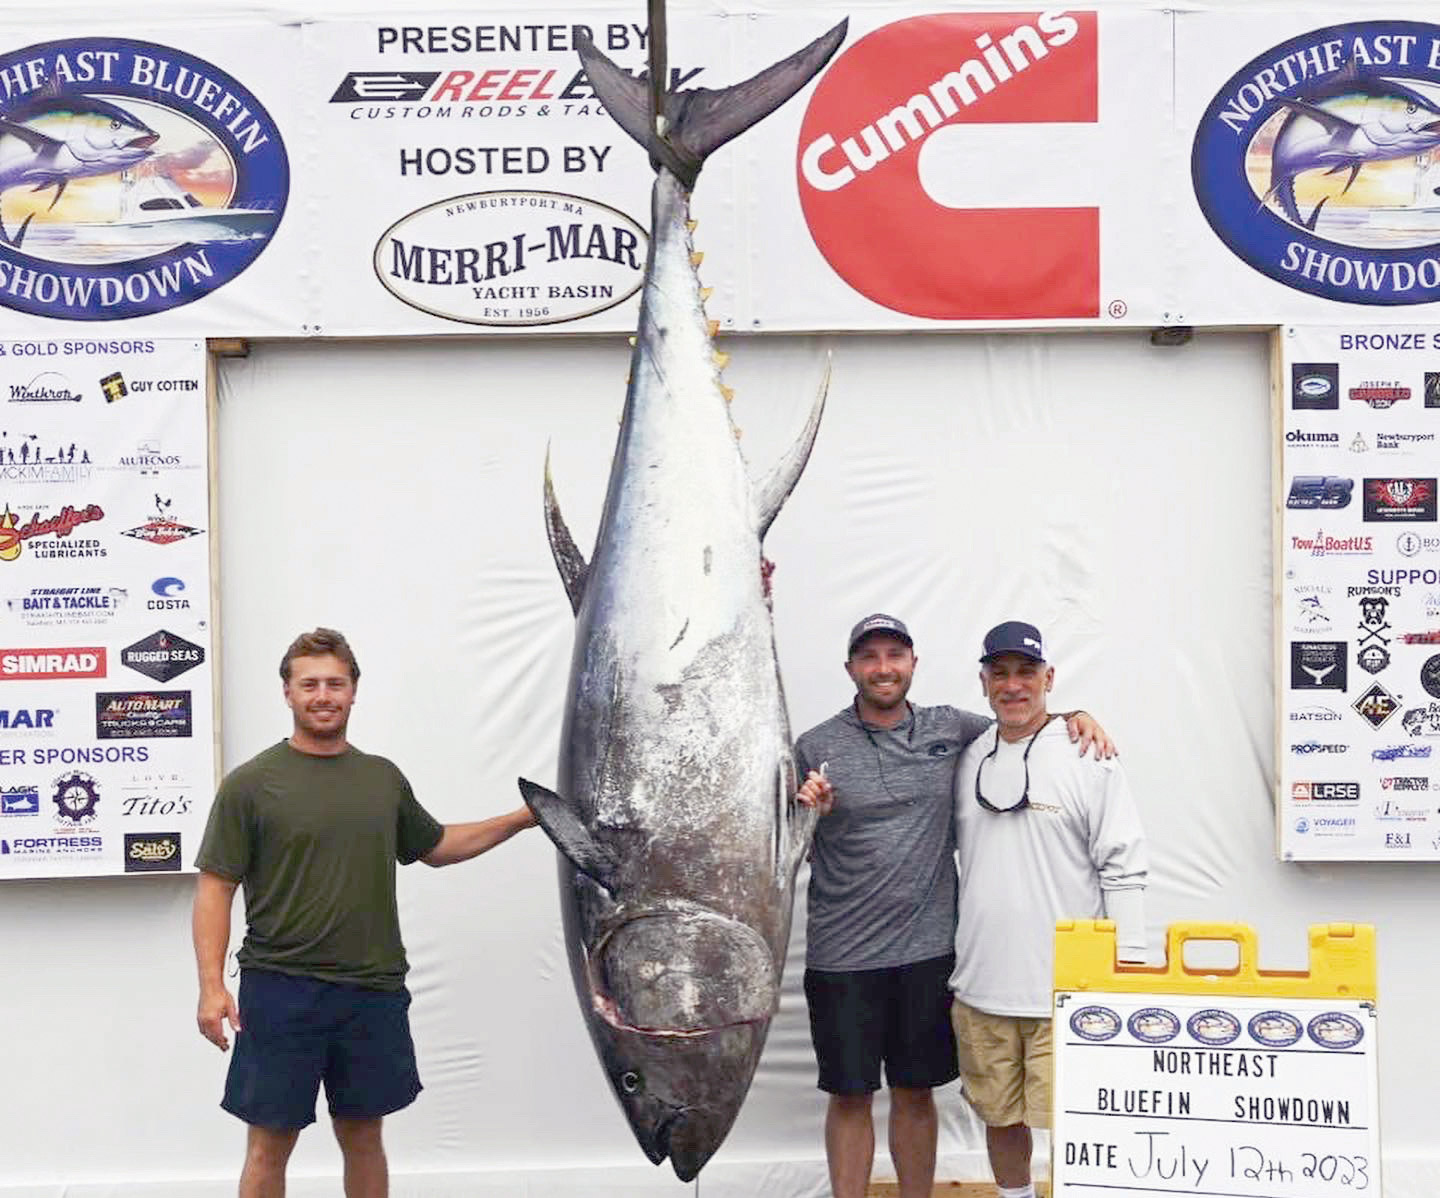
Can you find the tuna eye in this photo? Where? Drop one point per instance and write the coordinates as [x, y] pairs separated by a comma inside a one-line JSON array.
[[631, 1082], [114, 124]]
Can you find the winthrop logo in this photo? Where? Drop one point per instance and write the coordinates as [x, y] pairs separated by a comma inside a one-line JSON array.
[[925, 77]]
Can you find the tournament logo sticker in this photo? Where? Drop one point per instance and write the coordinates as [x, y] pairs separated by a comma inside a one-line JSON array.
[[512, 258], [1399, 499], [129, 715], [1096, 1024], [1375, 705], [162, 656], [76, 797], [140, 179], [151, 852], [1335, 1029], [1154, 1025], [1314, 386], [1275, 1029], [1312, 163], [1213, 1026], [1317, 665]]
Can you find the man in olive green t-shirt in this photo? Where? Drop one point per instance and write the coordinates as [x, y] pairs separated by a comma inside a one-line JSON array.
[[312, 828]]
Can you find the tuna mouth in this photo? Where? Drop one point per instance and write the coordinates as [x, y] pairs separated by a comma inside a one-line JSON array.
[[143, 142], [682, 975]]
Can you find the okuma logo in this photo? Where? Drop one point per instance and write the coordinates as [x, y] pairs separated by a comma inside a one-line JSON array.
[[1315, 163], [138, 178]]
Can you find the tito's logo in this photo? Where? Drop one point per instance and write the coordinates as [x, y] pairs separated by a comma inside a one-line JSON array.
[[883, 144], [1318, 163]]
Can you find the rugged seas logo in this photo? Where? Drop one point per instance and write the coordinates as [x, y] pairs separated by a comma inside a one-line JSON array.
[[512, 258], [138, 179], [1318, 163]]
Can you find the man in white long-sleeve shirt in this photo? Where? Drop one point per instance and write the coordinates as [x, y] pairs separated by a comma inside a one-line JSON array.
[[1043, 835]]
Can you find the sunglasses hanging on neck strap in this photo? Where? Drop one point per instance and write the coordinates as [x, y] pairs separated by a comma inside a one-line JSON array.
[[1024, 800]]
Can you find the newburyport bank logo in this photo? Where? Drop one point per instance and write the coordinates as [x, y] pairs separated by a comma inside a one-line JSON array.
[[1316, 163], [138, 178]]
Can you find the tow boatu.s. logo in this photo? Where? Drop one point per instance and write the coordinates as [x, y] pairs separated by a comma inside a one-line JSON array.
[[134, 178], [1318, 163]]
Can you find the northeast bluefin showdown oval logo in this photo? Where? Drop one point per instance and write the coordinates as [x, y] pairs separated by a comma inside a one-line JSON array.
[[1318, 163], [134, 178]]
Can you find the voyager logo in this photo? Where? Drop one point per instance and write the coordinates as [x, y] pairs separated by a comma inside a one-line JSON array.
[[181, 163], [1308, 163], [922, 78]]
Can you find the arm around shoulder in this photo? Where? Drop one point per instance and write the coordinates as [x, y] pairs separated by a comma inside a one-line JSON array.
[[460, 842]]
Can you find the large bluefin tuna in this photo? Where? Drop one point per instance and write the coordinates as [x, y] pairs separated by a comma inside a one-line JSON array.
[[675, 810]]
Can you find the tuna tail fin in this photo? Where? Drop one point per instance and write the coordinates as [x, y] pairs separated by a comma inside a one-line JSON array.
[[568, 559], [563, 825], [771, 495], [700, 120]]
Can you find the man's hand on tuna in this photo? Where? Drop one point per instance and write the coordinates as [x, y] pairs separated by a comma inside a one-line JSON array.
[[816, 791]]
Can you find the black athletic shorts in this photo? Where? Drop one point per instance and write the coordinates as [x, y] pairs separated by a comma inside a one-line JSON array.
[[899, 1015]]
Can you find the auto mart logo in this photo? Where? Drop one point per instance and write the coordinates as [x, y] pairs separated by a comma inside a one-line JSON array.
[[859, 166]]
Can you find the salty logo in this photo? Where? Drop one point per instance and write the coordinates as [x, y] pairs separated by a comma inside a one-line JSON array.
[[136, 178], [1313, 163]]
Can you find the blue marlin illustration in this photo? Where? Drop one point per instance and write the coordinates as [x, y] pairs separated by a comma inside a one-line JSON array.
[[1314, 136], [46, 141]]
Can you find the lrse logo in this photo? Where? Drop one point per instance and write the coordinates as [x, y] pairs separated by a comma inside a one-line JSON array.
[[859, 166]]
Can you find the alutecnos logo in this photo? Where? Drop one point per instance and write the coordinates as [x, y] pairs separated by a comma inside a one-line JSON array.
[[512, 258], [887, 174], [140, 178], [1315, 163]]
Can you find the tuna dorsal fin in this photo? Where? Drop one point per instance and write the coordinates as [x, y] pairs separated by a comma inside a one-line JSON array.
[[568, 559], [700, 120], [563, 825], [770, 496], [37, 141]]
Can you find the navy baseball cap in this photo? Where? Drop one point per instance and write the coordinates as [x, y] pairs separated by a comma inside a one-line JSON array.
[[1014, 636], [879, 622]]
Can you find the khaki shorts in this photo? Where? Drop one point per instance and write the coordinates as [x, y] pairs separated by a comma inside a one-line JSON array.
[[1006, 1065]]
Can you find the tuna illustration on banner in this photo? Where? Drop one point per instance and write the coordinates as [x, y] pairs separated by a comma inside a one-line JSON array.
[[674, 810], [1318, 163], [134, 178]]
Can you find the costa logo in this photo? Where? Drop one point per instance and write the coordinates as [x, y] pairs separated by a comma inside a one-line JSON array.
[[512, 258], [153, 178], [901, 225], [1308, 163]]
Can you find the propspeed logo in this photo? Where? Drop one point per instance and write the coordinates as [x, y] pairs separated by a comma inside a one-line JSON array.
[[874, 112]]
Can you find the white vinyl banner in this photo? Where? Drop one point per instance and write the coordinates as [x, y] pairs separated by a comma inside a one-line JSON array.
[[107, 762], [1360, 598], [1194, 1094]]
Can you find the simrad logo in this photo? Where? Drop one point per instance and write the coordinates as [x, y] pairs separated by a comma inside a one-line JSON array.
[[180, 179], [914, 84], [1312, 163]]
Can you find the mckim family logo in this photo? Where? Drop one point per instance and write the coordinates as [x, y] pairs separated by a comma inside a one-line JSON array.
[[920, 82], [1315, 163], [140, 178]]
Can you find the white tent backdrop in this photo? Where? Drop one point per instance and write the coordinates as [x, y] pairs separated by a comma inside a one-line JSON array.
[[1117, 494]]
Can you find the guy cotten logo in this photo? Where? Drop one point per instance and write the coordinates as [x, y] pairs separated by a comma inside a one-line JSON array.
[[1278, 153], [166, 145], [112, 386]]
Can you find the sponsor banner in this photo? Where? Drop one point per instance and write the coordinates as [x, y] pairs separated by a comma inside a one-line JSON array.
[[105, 585], [1360, 716]]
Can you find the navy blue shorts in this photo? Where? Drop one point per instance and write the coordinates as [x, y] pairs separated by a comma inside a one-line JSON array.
[[899, 1015], [296, 1032]]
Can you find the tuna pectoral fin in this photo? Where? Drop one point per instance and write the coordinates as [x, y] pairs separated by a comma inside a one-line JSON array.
[[562, 824], [771, 495], [568, 559], [699, 121]]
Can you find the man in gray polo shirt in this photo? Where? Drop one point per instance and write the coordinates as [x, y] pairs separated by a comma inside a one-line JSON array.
[[881, 932]]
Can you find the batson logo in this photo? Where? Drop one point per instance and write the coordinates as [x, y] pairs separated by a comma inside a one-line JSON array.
[[181, 164], [1312, 163], [148, 852], [87, 662], [1399, 499], [1314, 386], [512, 258], [904, 91], [14, 535], [162, 656]]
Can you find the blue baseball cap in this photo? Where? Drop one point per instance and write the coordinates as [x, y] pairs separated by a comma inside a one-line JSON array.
[[1014, 636], [882, 623]]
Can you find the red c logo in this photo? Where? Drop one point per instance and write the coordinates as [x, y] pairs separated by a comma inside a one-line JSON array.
[[859, 176]]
